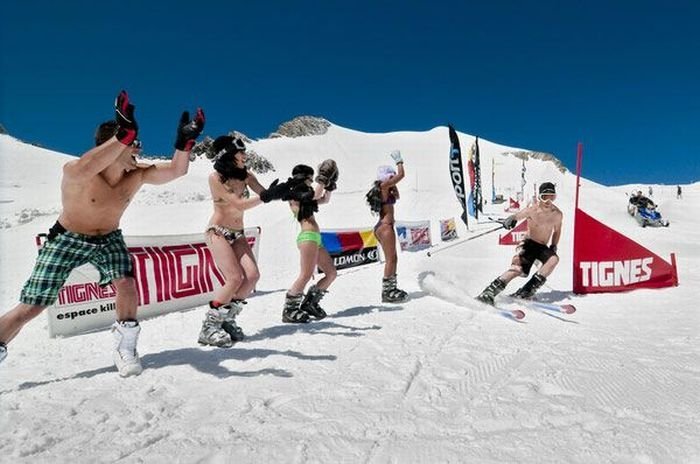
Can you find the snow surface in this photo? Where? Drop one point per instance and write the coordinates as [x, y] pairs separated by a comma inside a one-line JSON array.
[[436, 379]]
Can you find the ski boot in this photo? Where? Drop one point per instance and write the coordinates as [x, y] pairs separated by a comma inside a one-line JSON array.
[[489, 293], [229, 325], [212, 332], [528, 290], [391, 294], [311, 301], [125, 356], [292, 312]]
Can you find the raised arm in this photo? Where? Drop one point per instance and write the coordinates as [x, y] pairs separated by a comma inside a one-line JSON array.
[[401, 173], [97, 159], [187, 132], [254, 183]]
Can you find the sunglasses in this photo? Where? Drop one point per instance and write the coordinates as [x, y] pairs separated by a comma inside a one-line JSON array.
[[136, 144]]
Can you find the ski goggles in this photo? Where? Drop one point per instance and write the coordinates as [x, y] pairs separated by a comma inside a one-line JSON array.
[[136, 144], [547, 197]]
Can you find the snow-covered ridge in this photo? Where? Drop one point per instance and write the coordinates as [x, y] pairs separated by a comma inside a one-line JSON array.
[[428, 381]]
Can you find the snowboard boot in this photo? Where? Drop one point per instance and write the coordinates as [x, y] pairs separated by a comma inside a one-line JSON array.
[[528, 290], [125, 356], [292, 311], [390, 293], [311, 302], [3, 352], [212, 332], [229, 325], [489, 293]]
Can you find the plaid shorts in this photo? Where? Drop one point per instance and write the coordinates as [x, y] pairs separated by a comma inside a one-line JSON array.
[[68, 250]]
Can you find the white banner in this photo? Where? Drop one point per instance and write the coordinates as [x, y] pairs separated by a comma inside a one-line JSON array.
[[413, 236], [172, 273]]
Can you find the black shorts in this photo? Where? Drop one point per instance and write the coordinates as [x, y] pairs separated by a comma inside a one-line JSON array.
[[529, 251]]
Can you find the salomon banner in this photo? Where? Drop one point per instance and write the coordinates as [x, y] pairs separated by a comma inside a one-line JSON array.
[[448, 229], [607, 261], [350, 247], [172, 273], [515, 235], [413, 236], [457, 173]]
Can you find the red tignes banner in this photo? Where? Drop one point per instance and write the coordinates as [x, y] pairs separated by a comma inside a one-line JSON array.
[[607, 261], [515, 235]]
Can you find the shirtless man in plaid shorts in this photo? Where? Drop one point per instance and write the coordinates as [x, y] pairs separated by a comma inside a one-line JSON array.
[[95, 190]]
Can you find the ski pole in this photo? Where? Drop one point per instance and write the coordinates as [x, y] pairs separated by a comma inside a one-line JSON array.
[[466, 240]]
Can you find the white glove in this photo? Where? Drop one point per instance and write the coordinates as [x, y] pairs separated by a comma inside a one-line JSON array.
[[396, 156]]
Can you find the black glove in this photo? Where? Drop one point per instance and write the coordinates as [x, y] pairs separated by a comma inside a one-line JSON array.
[[331, 186], [509, 222], [275, 191], [188, 131], [553, 247], [124, 114], [327, 172]]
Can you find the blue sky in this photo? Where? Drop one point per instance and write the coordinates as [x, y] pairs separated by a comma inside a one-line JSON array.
[[623, 77]]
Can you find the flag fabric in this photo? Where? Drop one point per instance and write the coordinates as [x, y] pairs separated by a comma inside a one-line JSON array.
[[457, 173], [607, 261], [414, 235], [351, 247], [515, 235], [448, 229]]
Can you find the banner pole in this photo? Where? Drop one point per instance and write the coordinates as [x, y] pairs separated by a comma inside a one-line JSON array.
[[579, 162], [574, 261]]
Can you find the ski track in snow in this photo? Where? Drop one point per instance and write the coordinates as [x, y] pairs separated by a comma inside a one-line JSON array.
[[435, 379]]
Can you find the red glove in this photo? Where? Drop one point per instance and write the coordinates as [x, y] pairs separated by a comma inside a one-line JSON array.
[[188, 131], [124, 114]]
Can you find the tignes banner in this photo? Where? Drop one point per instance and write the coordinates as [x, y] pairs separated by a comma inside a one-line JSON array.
[[172, 273], [351, 247], [515, 235], [607, 261]]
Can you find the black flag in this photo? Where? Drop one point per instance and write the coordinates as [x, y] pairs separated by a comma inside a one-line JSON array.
[[457, 173]]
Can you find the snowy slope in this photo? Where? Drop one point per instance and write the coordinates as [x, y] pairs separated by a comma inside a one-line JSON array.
[[425, 381]]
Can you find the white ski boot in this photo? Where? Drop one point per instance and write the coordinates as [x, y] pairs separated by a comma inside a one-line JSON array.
[[126, 358]]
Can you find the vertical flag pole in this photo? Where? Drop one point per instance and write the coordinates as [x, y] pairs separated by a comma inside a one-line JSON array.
[[579, 159]]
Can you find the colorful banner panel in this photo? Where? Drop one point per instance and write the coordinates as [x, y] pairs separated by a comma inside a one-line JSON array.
[[351, 247]]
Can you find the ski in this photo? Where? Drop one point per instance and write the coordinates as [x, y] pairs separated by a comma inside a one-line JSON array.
[[559, 308], [515, 314]]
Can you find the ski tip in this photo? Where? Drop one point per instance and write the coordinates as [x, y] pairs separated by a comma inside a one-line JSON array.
[[518, 314], [568, 309]]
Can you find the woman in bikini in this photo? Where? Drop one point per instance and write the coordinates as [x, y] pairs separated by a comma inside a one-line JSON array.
[[381, 199], [303, 201], [229, 184]]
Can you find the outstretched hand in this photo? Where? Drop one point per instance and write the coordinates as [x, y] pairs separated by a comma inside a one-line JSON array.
[[275, 191], [128, 129], [509, 222], [188, 130]]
